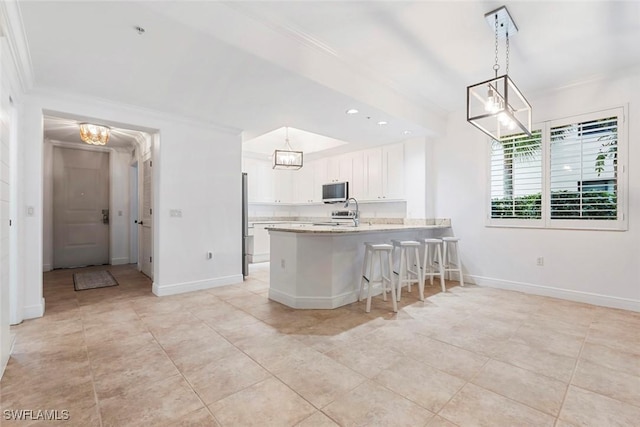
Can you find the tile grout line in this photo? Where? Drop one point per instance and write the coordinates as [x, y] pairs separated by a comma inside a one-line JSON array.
[[489, 359], [275, 376], [573, 373], [176, 366], [93, 380]]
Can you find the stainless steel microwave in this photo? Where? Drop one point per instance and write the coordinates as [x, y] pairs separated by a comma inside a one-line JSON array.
[[335, 192]]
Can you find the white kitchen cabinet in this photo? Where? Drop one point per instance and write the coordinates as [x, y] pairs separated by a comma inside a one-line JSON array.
[[259, 181], [282, 181], [320, 176], [303, 184], [357, 181], [384, 173], [259, 250], [393, 171], [373, 174], [339, 168]]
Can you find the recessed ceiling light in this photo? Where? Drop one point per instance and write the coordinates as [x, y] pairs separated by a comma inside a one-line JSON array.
[[382, 123], [352, 111], [406, 132]]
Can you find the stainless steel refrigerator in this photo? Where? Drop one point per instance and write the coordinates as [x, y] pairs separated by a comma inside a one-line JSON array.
[[245, 227]]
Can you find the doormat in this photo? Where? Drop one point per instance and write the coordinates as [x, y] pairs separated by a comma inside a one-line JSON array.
[[93, 280]]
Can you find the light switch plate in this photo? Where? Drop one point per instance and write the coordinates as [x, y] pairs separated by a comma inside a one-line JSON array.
[[175, 213]]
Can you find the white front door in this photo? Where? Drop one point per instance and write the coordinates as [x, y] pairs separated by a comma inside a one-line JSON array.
[[80, 208], [146, 263]]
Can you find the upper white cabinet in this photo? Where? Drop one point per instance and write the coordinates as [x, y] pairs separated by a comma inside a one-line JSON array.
[[282, 181], [393, 171], [373, 175], [259, 181], [384, 173], [357, 182], [303, 184]]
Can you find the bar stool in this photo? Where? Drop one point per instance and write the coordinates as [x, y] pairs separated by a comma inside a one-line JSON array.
[[406, 258], [450, 246], [432, 259], [370, 252]]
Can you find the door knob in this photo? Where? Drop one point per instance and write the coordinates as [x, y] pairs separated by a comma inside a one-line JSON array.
[[140, 222]]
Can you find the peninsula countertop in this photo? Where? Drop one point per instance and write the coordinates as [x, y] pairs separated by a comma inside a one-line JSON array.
[[347, 228]]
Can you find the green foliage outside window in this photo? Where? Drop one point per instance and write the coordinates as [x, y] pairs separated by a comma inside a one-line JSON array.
[[564, 205]]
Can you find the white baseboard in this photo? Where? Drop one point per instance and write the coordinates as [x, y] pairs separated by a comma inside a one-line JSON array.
[[46, 267], [33, 311], [548, 291], [198, 285], [119, 261], [319, 302]]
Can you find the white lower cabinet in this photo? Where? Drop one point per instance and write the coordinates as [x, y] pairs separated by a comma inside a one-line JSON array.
[[259, 251]]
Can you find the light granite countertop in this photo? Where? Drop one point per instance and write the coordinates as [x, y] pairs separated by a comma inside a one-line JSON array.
[[362, 228]]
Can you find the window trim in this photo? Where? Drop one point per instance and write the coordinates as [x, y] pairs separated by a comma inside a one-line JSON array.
[[619, 224]]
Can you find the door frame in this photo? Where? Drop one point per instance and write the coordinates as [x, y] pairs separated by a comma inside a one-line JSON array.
[[134, 195]]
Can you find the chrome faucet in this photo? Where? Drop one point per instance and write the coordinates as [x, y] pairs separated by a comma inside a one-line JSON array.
[[356, 219]]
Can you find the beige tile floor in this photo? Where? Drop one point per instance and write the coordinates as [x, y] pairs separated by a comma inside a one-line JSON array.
[[228, 356]]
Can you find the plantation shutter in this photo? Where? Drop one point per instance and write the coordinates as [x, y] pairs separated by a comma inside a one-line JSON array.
[[584, 169], [516, 176]]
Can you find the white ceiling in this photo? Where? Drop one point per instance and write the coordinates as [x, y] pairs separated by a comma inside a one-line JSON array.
[[299, 140], [258, 66]]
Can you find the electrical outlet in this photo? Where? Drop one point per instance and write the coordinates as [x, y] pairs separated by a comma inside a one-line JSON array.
[[175, 213], [540, 261], [282, 263]]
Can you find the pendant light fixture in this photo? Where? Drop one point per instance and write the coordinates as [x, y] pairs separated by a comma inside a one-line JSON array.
[[94, 134], [496, 106], [287, 158]]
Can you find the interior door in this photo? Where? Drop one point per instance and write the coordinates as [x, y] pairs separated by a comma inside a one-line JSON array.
[[80, 208], [146, 223]]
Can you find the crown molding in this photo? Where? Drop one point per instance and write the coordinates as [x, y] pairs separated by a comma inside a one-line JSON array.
[[303, 38], [13, 27], [161, 116]]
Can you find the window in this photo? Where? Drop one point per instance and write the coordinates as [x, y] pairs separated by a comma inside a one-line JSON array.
[[516, 176], [568, 174], [584, 169]]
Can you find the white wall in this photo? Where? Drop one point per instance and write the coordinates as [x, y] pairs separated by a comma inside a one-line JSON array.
[[593, 266], [196, 169], [7, 117], [119, 225]]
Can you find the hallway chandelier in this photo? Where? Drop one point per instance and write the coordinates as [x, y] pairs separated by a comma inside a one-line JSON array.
[[287, 158], [496, 106], [94, 134]]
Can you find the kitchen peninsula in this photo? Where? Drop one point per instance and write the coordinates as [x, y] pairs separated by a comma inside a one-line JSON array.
[[320, 266]]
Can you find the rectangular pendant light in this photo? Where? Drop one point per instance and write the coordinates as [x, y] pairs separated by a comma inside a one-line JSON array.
[[285, 159]]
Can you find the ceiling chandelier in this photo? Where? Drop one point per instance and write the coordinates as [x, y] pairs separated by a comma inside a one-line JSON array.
[[287, 158], [496, 106], [94, 134]]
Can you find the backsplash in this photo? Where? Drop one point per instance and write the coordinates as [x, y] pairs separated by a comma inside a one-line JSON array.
[[373, 211]]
